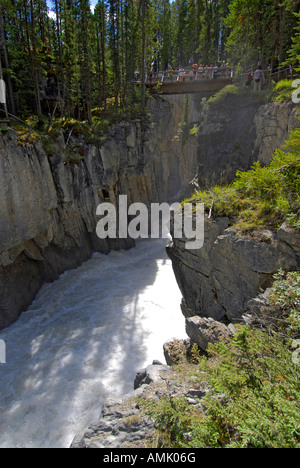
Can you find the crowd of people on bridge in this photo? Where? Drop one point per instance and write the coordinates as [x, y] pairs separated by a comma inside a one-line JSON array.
[[204, 72], [256, 76], [196, 72]]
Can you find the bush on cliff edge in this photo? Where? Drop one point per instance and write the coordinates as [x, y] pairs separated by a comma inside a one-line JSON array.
[[253, 398], [262, 197]]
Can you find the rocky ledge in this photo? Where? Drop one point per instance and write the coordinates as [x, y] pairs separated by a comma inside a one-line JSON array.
[[220, 279], [121, 423]]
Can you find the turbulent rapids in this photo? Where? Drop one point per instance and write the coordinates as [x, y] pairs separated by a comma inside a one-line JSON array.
[[82, 340]]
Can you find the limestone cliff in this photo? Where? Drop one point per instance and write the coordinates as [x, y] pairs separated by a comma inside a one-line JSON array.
[[220, 279], [273, 123], [48, 201], [237, 131], [226, 137]]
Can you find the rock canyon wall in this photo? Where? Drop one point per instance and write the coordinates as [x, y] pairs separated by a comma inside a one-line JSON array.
[[48, 201]]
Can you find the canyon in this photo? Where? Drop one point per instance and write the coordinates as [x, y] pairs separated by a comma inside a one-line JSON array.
[[222, 284], [48, 203]]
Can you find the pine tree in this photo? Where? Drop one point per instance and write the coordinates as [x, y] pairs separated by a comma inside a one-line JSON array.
[[100, 33], [3, 49], [294, 52]]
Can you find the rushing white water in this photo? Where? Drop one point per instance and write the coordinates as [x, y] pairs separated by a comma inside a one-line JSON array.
[[82, 340]]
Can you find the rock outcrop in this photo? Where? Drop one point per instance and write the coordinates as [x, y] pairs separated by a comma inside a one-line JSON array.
[[124, 424], [220, 279], [48, 200], [238, 130], [121, 424], [203, 331], [226, 137], [273, 123]]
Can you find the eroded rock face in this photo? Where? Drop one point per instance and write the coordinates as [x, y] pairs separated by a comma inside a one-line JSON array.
[[48, 202], [219, 280], [274, 122], [226, 138], [238, 131], [203, 331]]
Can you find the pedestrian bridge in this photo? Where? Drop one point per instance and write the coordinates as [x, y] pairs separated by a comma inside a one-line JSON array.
[[205, 87], [207, 81]]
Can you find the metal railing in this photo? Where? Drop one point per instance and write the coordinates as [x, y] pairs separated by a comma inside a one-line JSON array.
[[190, 74], [219, 73], [270, 75]]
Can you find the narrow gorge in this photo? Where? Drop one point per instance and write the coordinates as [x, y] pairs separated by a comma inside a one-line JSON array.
[[48, 202]]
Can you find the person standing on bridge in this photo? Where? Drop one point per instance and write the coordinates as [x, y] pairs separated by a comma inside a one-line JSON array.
[[181, 75], [150, 75], [227, 70], [215, 71], [249, 78], [200, 72], [259, 78], [195, 68]]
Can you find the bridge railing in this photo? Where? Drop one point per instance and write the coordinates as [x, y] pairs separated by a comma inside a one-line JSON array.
[[276, 75], [184, 75], [211, 73]]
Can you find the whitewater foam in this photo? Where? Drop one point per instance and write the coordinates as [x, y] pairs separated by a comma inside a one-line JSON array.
[[83, 340]]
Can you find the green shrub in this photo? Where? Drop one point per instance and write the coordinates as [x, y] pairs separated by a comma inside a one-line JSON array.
[[253, 387], [282, 91], [221, 95], [173, 419], [262, 197], [286, 295], [254, 401]]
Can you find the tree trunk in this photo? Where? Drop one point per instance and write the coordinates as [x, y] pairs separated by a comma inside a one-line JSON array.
[[58, 28], [6, 64], [33, 57], [103, 35], [143, 5]]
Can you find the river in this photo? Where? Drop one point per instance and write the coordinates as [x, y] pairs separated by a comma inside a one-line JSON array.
[[82, 340]]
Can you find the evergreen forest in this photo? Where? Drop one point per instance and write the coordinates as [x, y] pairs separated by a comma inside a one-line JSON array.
[[90, 55]]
